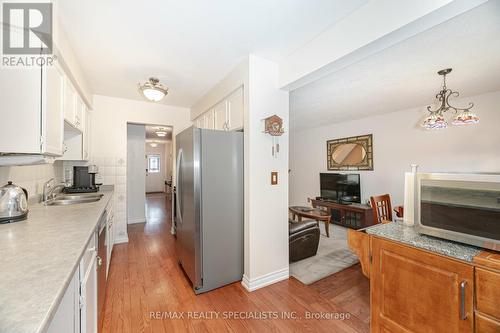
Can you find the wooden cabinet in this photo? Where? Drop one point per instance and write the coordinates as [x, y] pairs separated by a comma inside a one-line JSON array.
[[413, 290], [416, 291]]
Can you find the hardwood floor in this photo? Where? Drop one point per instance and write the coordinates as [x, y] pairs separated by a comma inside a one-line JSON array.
[[148, 292]]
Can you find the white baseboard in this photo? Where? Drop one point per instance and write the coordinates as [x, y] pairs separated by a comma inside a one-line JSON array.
[[265, 280], [139, 220], [121, 239]]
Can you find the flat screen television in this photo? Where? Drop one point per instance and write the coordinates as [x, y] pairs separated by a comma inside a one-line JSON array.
[[340, 187]]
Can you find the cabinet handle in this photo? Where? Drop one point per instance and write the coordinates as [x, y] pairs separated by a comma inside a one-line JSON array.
[[99, 261], [463, 314]]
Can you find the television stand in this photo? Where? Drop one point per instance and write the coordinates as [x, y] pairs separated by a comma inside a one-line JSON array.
[[351, 215]]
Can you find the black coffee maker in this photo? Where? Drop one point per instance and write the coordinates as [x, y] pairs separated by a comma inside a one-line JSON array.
[[83, 180]]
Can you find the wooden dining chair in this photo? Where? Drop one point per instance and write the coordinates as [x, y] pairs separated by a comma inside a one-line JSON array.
[[381, 205]]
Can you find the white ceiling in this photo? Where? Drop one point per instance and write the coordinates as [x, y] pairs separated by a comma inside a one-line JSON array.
[[404, 76], [190, 44], [152, 136]]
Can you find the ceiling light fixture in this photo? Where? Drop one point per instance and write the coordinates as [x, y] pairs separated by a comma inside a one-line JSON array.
[[153, 144], [153, 90], [435, 120], [161, 132]]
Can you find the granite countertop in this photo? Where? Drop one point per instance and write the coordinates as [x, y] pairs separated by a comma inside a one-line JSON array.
[[408, 235], [38, 258]]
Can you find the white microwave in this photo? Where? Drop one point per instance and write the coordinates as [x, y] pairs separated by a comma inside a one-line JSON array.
[[459, 207]]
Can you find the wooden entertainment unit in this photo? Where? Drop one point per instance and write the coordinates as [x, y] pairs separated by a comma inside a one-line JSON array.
[[354, 215]]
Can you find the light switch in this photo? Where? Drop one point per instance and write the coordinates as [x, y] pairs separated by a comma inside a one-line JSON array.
[[274, 178]]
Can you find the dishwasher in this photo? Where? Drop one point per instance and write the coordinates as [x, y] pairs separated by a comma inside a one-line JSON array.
[[101, 269]]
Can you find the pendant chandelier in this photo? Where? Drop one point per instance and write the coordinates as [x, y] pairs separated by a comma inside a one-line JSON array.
[[153, 90], [436, 119]]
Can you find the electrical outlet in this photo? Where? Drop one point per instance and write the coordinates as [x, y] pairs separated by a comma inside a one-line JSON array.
[[274, 178]]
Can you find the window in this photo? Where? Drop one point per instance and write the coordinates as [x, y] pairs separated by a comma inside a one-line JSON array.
[[153, 163]]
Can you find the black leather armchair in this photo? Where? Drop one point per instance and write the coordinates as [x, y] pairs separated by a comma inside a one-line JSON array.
[[303, 239]]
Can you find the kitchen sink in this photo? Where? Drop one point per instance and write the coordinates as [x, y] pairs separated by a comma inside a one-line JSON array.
[[72, 199]]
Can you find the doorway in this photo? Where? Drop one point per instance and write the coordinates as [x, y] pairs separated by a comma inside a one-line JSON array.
[[149, 170]]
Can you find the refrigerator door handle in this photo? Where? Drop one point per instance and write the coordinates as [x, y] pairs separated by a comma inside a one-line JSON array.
[[179, 187]]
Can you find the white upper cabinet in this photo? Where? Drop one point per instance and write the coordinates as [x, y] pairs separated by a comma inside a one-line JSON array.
[[235, 110], [69, 103], [52, 110], [79, 122], [227, 115], [221, 119], [200, 122], [209, 119], [31, 116], [86, 132]]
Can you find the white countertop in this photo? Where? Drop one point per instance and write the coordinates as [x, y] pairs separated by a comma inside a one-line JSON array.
[[38, 258]]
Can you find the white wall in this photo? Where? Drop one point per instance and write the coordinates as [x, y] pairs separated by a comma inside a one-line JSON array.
[[266, 206], [109, 140], [398, 142], [136, 173]]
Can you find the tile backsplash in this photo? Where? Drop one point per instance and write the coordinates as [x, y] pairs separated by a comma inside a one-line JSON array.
[[112, 171], [31, 177]]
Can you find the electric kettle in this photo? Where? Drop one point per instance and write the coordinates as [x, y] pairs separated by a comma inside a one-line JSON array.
[[13, 203]]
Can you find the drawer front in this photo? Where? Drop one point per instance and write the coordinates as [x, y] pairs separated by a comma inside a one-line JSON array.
[[486, 325], [488, 292]]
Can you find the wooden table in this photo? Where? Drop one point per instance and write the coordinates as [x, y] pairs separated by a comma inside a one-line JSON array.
[[312, 213]]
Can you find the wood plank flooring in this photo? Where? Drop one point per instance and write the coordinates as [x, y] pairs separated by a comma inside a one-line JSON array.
[[148, 292]]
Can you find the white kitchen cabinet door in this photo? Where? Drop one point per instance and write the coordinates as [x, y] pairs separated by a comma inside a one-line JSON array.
[[235, 109], [69, 102], [79, 113], [20, 120], [52, 110], [209, 119], [67, 316], [88, 299], [220, 114], [200, 122], [86, 133]]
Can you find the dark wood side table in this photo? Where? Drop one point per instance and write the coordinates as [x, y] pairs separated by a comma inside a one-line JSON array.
[[354, 216], [312, 213]]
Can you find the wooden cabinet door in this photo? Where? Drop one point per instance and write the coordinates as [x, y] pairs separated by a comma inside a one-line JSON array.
[[419, 292], [52, 110], [235, 104], [220, 114]]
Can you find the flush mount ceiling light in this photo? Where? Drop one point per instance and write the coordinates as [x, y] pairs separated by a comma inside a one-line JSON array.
[[436, 120], [161, 132], [153, 90], [153, 144]]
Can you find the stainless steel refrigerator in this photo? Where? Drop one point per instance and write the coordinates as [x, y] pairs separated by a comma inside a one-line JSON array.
[[209, 207]]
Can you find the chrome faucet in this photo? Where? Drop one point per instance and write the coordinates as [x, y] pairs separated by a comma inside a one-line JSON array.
[[49, 191]]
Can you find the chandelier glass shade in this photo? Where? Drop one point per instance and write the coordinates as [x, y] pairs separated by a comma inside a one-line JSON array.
[[436, 120], [153, 90]]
